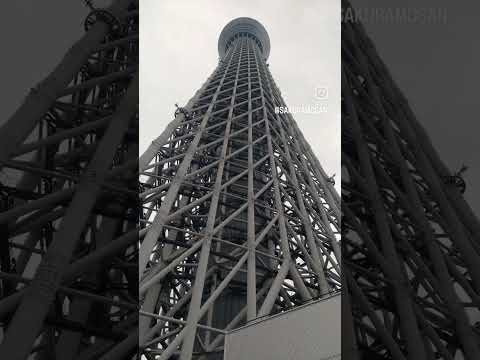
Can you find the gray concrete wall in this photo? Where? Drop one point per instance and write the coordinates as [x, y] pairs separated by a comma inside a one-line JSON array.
[[310, 332]]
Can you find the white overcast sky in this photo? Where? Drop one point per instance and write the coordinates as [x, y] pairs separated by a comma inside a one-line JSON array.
[[178, 51]]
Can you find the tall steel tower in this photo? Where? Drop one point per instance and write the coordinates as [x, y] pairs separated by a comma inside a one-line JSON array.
[[68, 222], [239, 219], [411, 244]]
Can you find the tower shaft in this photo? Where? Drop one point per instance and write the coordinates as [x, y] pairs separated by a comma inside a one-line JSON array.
[[239, 220]]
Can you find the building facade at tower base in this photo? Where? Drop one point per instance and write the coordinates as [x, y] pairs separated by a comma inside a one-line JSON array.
[[309, 332]]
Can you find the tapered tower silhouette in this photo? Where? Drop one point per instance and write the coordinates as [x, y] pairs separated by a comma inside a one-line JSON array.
[[239, 219], [410, 243], [68, 222]]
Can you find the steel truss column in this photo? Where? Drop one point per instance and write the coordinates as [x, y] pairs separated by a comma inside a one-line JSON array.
[[410, 246], [239, 220], [70, 156]]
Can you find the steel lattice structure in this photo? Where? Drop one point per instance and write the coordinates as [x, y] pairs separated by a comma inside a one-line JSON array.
[[410, 243], [239, 219], [69, 275]]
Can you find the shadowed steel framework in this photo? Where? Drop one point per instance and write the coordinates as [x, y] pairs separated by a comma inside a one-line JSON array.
[[68, 222], [239, 220], [411, 244]]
